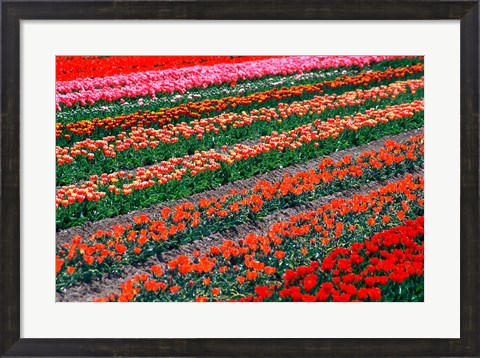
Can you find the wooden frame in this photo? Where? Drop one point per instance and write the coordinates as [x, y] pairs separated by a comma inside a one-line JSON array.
[[13, 12]]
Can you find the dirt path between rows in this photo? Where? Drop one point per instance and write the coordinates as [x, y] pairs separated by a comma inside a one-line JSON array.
[[85, 292], [274, 175]]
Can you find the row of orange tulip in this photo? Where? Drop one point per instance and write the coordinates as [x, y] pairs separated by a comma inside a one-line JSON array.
[[146, 235], [212, 160], [139, 138]]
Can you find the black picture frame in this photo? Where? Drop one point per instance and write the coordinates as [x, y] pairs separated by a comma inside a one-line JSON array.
[[12, 12]]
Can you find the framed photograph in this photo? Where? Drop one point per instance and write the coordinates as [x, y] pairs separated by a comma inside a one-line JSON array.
[[244, 178]]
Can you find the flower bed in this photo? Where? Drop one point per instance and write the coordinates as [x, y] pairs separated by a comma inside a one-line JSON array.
[[260, 267], [163, 178]]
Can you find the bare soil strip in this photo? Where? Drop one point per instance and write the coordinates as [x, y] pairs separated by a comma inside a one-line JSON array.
[[274, 175], [85, 292]]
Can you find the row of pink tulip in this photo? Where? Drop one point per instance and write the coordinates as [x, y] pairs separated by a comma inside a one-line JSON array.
[[111, 88]]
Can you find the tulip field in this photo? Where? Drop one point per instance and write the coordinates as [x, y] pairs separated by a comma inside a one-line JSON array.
[[239, 178]]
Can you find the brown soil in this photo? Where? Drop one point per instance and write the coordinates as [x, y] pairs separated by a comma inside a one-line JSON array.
[[85, 292]]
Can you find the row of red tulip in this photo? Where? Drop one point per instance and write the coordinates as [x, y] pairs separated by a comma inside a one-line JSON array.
[[240, 269], [75, 67]]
